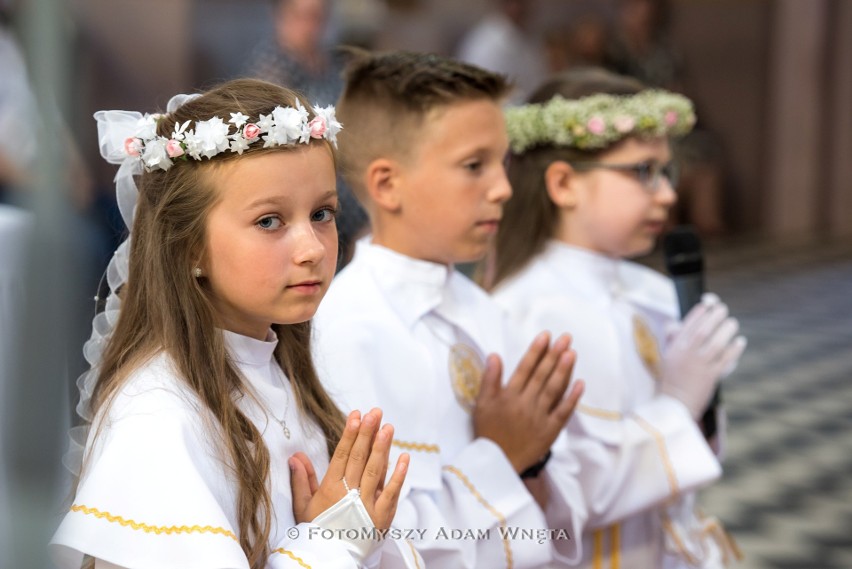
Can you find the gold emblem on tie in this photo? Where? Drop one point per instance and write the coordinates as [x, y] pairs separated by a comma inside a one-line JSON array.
[[646, 345], [466, 369]]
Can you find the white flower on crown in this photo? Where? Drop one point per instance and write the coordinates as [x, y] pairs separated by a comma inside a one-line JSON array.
[[212, 136], [289, 126], [156, 155], [283, 126], [238, 119], [180, 129], [146, 127], [239, 144]]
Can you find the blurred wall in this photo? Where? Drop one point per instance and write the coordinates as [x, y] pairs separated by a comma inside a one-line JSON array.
[[131, 56], [724, 44], [775, 78]]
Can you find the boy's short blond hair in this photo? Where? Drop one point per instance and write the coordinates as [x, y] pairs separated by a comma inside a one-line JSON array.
[[387, 98]]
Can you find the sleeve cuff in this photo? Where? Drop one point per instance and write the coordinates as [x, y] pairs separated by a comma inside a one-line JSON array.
[[351, 524], [484, 471], [688, 461]]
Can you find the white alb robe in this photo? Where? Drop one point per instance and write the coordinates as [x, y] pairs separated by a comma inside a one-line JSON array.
[[156, 492], [641, 454], [376, 343]]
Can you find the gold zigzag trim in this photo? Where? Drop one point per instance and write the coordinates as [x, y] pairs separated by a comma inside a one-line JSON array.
[[500, 517], [422, 447], [159, 530], [292, 556]]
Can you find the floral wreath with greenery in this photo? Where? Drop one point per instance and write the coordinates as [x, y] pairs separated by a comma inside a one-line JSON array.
[[598, 121]]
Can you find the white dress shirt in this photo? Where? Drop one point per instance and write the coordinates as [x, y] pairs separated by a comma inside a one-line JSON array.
[[641, 453], [156, 491], [382, 337]]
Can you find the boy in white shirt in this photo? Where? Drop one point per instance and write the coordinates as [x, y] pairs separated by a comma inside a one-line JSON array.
[[424, 152]]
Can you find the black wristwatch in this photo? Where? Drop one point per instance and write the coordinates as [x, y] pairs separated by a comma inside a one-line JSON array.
[[536, 468]]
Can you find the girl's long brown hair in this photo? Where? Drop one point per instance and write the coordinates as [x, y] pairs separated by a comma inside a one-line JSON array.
[[164, 308], [530, 218]]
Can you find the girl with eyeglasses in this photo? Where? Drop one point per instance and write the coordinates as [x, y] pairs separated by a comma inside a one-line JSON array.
[[593, 181]]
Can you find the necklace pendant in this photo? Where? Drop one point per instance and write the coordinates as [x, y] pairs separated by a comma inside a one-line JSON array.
[[284, 428]]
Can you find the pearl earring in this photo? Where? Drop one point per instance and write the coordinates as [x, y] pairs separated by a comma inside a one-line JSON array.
[[197, 272]]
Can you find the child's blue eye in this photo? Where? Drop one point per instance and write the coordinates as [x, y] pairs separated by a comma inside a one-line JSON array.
[[269, 223], [324, 214]]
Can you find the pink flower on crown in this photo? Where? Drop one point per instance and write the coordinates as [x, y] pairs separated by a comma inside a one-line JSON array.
[[251, 131], [174, 149], [624, 124], [317, 127], [671, 118], [596, 125], [133, 146], [333, 126]]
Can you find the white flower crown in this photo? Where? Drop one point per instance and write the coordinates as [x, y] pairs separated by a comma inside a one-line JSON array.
[[597, 121], [285, 125]]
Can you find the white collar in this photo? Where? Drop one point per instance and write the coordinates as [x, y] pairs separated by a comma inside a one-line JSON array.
[[595, 275], [413, 287], [250, 351], [591, 272]]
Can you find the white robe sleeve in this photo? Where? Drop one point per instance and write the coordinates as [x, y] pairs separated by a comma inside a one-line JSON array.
[[156, 494], [657, 438], [477, 492]]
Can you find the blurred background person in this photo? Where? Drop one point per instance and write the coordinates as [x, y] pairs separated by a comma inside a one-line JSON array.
[[581, 41], [300, 57], [297, 54], [17, 112], [503, 41], [641, 46]]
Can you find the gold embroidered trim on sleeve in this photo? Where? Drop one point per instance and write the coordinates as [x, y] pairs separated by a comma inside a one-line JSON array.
[[664, 453], [421, 447], [681, 547], [600, 413], [168, 530], [290, 554], [725, 541], [414, 553], [500, 517]]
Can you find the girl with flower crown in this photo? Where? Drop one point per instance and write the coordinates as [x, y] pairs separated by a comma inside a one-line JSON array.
[[211, 442], [593, 180]]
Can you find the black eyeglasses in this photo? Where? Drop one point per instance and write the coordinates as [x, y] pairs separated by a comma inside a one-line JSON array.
[[647, 173]]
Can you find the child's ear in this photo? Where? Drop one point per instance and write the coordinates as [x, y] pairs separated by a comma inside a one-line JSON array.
[[382, 182], [559, 180]]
